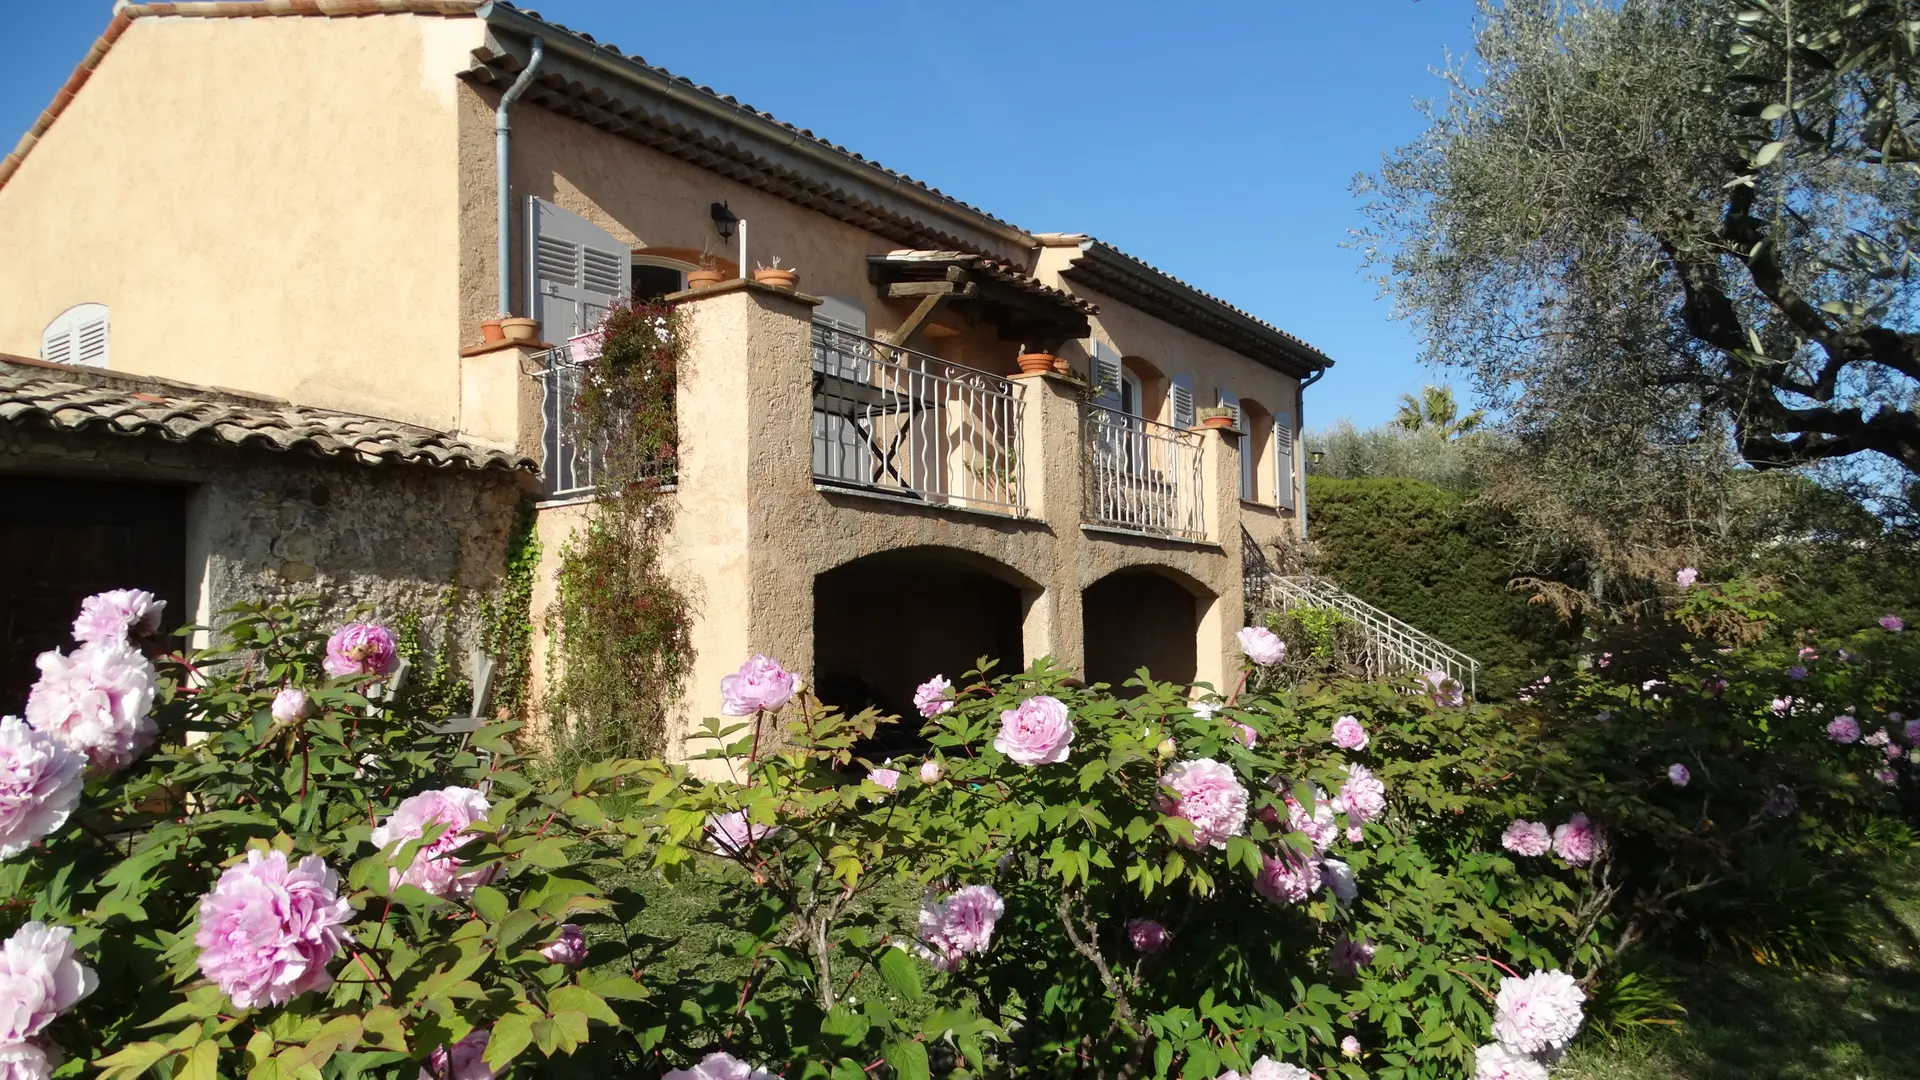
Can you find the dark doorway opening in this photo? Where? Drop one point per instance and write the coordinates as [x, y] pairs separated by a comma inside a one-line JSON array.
[[1139, 618], [62, 540], [886, 623]]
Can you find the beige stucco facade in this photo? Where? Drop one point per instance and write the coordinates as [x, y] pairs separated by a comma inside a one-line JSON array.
[[306, 207]]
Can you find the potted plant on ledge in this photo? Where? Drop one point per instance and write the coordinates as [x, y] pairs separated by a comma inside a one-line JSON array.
[[709, 273], [787, 278], [1037, 362], [1216, 418]]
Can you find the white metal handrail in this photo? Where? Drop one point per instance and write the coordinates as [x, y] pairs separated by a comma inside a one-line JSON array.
[[568, 465], [889, 420], [1142, 475], [1393, 646]]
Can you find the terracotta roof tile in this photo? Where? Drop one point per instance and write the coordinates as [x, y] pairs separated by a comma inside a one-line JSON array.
[[53, 396], [1003, 272]]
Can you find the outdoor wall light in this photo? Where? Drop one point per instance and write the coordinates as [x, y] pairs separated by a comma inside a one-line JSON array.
[[1318, 456], [724, 220]]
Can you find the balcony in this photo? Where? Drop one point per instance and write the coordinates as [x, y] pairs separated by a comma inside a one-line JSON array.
[[893, 422], [570, 467], [1141, 476]]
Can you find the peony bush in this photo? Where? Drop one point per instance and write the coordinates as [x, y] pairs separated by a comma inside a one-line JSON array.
[[257, 860]]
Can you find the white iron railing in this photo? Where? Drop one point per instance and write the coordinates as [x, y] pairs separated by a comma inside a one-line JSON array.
[[569, 467], [892, 421], [1393, 647], [1141, 475]]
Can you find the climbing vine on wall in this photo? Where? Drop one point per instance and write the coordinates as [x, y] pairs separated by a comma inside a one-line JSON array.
[[620, 630]]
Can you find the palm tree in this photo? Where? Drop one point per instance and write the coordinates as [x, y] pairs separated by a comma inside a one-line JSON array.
[[1436, 410]]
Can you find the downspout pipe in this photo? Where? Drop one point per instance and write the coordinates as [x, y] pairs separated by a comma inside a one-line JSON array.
[[502, 144]]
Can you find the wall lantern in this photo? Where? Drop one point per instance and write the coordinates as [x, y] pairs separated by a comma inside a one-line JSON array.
[[1318, 456], [724, 220]]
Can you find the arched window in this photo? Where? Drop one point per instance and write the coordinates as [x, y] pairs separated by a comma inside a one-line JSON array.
[[77, 335]]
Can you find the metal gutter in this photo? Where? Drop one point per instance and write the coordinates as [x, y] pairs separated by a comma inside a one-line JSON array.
[[565, 43]]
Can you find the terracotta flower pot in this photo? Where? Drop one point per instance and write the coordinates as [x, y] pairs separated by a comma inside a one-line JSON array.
[[490, 332], [1060, 366], [520, 329], [779, 279], [1035, 363], [1223, 421], [704, 279]]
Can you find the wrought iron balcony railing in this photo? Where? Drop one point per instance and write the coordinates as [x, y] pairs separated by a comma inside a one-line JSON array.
[[569, 466], [1141, 475]]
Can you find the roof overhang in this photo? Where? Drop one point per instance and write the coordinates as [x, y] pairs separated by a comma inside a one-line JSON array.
[[599, 85], [1020, 308], [1105, 268]]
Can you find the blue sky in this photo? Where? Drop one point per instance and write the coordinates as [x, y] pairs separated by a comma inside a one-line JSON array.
[[1217, 141]]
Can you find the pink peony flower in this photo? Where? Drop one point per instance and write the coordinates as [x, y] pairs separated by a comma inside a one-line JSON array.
[[1686, 577], [1892, 752], [268, 929], [1843, 729], [1678, 775], [1878, 738], [1808, 652], [1146, 935], [930, 771], [1355, 834], [40, 978], [1339, 880], [1892, 623], [1912, 729], [1496, 1062], [1350, 1047], [1782, 706], [886, 778], [1262, 645], [1287, 878], [1444, 690], [433, 869], [733, 834], [1529, 838], [760, 684], [1038, 732], [1320, 827], [361, 649], [1715, 686], [291, 704], [1245, 733], [1886, 776], [95, 702], [40, 784], [1348, 956], [933, 697], [1537, 1014], [1268, 1069], [28, 1061], [570, 948], [960, 925], [467, 1061], [719, 1066], [1606, 660], [1363, 796], [111, 617], [1796, 672], [1208, 794], [1577, 841], [1348, 734]]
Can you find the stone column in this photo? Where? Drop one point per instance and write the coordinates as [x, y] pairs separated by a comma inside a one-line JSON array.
[[1216, 652], [1051, 464], [500, 395]]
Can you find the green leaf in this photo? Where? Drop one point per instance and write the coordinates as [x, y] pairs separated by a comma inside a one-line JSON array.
[[1767, 154], [512, 1033], [490, 902], [203, 1062], [900, 973], [909, 1060], [581, 1000]]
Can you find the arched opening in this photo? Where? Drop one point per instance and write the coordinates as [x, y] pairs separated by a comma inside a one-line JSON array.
[[1141, 617], [1143, 389], [886, 623]]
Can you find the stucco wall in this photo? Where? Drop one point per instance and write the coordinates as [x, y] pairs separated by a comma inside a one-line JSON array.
[[262, 525], [246, 195]]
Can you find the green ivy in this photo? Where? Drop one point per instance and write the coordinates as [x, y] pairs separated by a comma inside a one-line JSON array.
[[506, 624]]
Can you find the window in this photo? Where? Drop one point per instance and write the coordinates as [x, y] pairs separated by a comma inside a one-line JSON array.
[[653, 280], [77, 335]]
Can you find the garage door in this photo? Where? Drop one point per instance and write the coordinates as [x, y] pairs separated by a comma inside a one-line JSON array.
[[62, 540]]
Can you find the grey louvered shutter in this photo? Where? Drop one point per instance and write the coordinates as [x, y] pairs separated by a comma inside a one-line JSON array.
[[1231, 400], [1106, 375], [1181, 390], [579, 270], [1284, 478], [77, 335]]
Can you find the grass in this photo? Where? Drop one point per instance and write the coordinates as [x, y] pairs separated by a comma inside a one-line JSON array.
[[1765, 1023]]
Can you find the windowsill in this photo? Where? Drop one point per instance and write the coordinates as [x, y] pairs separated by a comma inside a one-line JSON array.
[[1139, 534], [1255, 504], [904, 500], [562, 501]]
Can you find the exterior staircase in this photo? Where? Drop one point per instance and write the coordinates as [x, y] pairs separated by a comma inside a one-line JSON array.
[[1393, 647]]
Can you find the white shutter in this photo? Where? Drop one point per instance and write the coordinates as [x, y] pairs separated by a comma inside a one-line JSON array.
[[1231, 400], [578, 270], [1284, 478], [1181, 390], [1106, 375], [77, 335]]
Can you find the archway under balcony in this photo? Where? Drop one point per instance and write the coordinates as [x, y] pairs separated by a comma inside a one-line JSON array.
[[1143, 616], [885, 623]]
